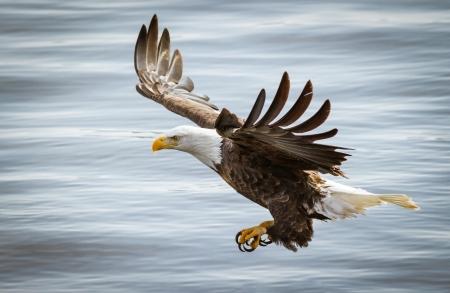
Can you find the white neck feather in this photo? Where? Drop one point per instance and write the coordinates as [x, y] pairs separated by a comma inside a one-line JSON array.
[[204, 144], [207, 148]]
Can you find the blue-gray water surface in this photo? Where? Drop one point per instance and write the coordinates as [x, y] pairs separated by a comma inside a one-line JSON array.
[[86, 207]]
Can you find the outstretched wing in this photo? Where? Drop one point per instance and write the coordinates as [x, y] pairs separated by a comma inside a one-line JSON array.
[[280, 142], [160, 79]]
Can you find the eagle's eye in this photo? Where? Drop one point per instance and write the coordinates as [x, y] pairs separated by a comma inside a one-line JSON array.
[[175, 138]]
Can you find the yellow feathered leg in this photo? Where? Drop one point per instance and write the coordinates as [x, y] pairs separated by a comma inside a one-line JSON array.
[[254, 233]]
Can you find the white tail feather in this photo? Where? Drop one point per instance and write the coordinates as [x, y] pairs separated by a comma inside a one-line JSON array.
[[400, 200], [346, 202]]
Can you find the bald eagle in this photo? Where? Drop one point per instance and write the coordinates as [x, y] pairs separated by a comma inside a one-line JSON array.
[[274, 164]]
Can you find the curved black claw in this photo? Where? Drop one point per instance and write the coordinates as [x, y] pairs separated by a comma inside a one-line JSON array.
[[237, 237], [237, 242], [248, 249], [242, 246], [264, 242]]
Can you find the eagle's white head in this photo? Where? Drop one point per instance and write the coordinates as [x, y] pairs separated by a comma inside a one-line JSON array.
[[202, 143]]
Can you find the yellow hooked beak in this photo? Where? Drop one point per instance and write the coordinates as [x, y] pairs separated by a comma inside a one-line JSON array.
[[161, 143]]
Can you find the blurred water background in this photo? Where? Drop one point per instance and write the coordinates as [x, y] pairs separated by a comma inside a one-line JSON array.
[[86, 207]]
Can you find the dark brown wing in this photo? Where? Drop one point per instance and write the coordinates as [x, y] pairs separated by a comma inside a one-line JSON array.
[[285, 144], [160, 79], [292, 225]]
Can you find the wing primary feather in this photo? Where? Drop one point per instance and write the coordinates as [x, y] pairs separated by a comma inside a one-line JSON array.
[[152, 44], [163, 53], [319, 136], [175, 68], [315, 121], [277, 103], [299, 107], [140, 51], [256, 110]]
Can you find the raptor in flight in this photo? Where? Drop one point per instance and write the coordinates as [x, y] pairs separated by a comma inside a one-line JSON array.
[[275, 164]]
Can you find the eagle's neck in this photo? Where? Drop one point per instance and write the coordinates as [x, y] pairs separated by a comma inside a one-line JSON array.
[[206, 146]]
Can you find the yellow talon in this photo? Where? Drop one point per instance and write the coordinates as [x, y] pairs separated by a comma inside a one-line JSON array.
[[254, 233]]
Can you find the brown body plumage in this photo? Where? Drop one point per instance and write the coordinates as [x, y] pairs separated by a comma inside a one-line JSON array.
[[284, 191]]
